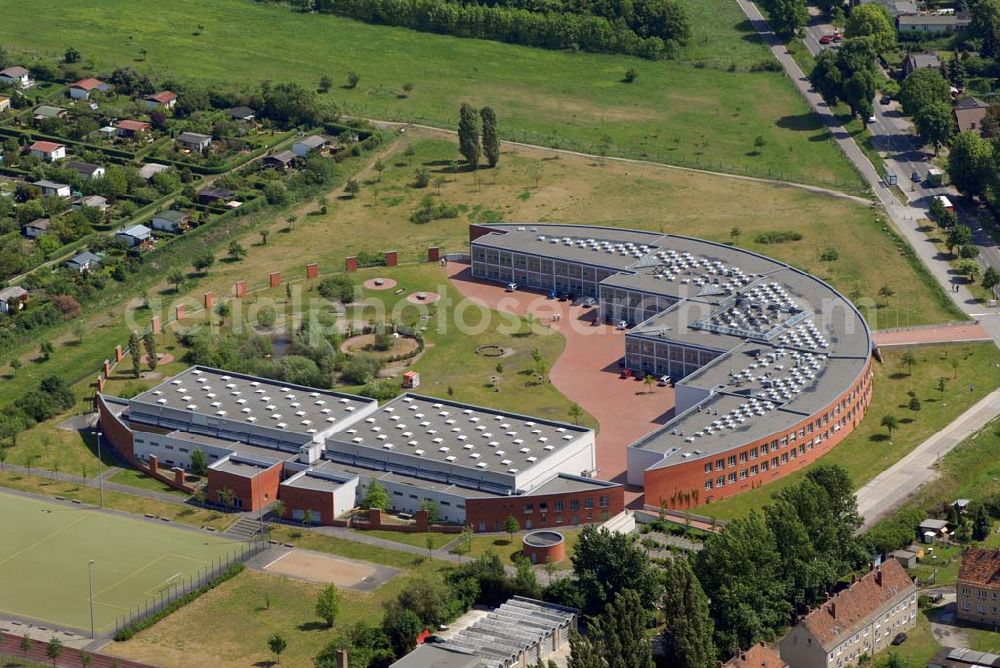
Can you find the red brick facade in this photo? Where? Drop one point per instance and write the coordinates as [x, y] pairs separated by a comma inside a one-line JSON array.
[[312, 270], [252, 493], [391, 258], [749, 466], [351, 264], [543, 554], [316, 501], [275, 279], [208, 300], [548, 510], [240, 288], [433, 254], [115, 432]]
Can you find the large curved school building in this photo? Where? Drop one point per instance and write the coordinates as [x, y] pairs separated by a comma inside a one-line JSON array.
[[772, 366]]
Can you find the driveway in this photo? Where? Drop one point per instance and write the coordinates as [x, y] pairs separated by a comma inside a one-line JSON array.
[[587, 372]]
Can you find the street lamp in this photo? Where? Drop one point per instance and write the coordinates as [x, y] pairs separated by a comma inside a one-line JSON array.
[[100, 463], [90, 585]]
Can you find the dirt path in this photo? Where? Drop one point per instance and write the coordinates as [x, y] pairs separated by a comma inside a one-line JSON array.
[[959, 332]]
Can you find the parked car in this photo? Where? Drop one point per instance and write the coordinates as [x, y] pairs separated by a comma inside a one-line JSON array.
[[665, 381], [915, 177], [511, 287], [825, 39], [589, 301], [886, 99], [899, 639], [837, 36], [622, 324]]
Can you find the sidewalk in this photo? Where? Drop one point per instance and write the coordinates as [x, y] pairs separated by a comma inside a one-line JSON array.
[[891, 487], [92, 482]]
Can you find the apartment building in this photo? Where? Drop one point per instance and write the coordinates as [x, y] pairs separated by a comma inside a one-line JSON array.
[[978, 587], [859, 621]]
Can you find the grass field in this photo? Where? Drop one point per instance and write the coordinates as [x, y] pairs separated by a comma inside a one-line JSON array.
[[867, 451], [44, 561], [687, 111]]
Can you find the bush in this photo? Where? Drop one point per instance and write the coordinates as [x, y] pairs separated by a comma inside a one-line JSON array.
[[339, 288], [428, 211], [777, 237], [829, 255], [630, 75], [382, 390], [360, 370], [266, 316]]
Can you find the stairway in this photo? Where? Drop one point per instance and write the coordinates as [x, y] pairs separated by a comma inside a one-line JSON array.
[[244, 529]]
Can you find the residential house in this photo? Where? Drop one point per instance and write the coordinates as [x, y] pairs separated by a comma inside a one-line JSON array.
[[171, 221], [86, 170], [165, 99], [895, 8], [758, 656], [969, 114], [13, 299], [920, 61], [978, 587], [932, 530], [135, 235], [281, 160], [130, 129], [213, 194], [936, 24], [242, 114], [36, 228], [84, 261], [16, 76], [45, 111], [950, 657], [52, 188], [194, 141], [49, 151], [82, 89], [92, 201], [305, 145], [4, 103], [859, 621], [108, 132], [961, 505], [151, 169]]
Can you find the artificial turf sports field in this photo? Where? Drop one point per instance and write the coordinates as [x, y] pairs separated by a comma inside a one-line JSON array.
[[45, 548]]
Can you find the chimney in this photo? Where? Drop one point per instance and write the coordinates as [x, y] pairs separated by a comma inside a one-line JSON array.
[[342, 658], [878, 576], [833, 609]]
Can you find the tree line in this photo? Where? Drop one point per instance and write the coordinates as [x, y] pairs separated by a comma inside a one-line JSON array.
[[648, 28]]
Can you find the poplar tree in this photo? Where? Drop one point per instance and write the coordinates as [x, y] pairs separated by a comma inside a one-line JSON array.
[[491, 136], [687, 634], [468, 135], [135, 351]]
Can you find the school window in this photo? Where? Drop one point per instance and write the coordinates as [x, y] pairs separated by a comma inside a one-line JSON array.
[[784, 458], [753, 453], [743, 474], [529, 508], [753, 470], [731, 477], [763, 466], [720, 481], [604, 502], [763, 449], [708, 467], [397, 494], [720, 464], [743, 457], [588, 504], [774, 462], [732, 460], [559, 506], [574, 504], [708, 484]]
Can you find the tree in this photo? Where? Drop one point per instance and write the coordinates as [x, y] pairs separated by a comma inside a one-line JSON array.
[[991, 280], [402, 627], [432, 510], [687, 633], [786, 16], [758, 144], [621, 631], [54, 649], [970, 165], [968, 268], [203, 261], [491, 136], [379, 167], [325, 83], [630, 75], [584, 651], [149, 344], [72, 55], [375, 497], [176, 277], [982, 524], [236, 251], [25, 645], [328, 604], [859, 90], [576, 413], [86, 659], [607, 563], [135, 352], [908, 359], [986, 25], [277, 644], [739, 571], [941, 384], [934, 123], [872, 21], [922, 88], [914, 406], [422, 178], [958, 236], [468, 135], [199, 462], [353, 187], [889, 422], [826, 77], [885, 292], [511, 526], [353, 78], [264, 234], [649, 381], [15, 364]]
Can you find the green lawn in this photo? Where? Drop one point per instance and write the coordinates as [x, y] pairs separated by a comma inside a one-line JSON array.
[[507, 549], [45, 554], [136, 478], [419, 539], [867, 451], [689, 111]]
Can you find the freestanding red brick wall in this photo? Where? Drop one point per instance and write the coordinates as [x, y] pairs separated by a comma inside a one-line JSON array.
[[179, 312], [240, 288], [209, 300], [312, 270], [433, 254], [275, 279], [119, 354], [391, 258], [351, 264], [154, 325]]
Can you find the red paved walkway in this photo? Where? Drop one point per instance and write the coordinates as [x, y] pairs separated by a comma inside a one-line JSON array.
[[911, 336], [587, 372]]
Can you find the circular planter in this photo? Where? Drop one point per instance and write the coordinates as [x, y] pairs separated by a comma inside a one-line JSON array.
[[544, 546]]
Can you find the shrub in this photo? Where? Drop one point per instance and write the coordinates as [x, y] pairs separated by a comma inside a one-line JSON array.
[[777, 237], [68, 305], [829, 255], [266, 316], [360, 370], [630, 75], [339, 288]]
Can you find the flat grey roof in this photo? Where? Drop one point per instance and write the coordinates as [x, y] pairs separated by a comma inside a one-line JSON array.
[[434, 655], [567, 242], [253, 401], [568, 484], [315, 481], [471, 437], [246, 468]]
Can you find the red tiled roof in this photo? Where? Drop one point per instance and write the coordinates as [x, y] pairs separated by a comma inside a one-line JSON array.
[[163, 97], [758, 656], [88, 84], [134, 126], [980, 567], [855, 605], [45, 146]]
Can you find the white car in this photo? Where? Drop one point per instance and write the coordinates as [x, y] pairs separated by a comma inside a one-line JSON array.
[[872, 119], [511, 287]]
